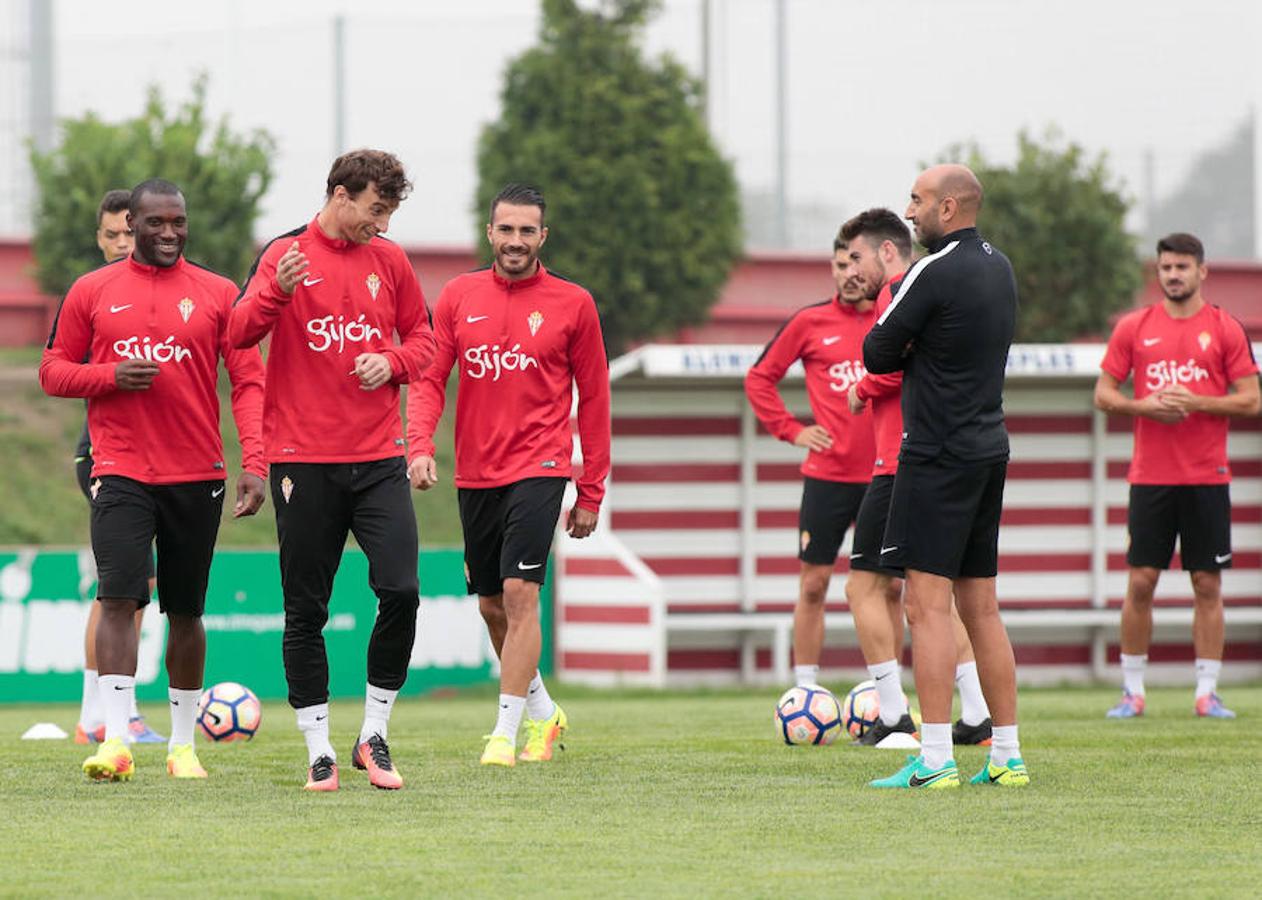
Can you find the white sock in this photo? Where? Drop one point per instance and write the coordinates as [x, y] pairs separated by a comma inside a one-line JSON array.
[[539, 705], [1003, 744], [509, 720], [1207, 671], [117, 692], [183, 715], [1133, 672], [134, 713], [313, 722], [90, 709], [378, 704], [889, 691], [806, 676], [935, 744], [973, 708]]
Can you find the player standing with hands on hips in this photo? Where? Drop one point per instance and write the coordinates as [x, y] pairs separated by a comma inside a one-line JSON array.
[[523, 338], [948, 328], [332, 295], [828, 339], [1194, 369], [152, 329]]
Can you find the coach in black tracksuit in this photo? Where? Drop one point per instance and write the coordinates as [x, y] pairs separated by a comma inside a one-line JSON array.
[[949, 328]]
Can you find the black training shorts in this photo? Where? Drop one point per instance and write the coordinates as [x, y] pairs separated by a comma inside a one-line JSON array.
[[945, 519], [1199, 514], [129, 516], [828, 508], [869, 528], [508, 531]]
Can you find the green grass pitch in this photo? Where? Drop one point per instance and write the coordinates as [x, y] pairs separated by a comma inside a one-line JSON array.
[[672, 794]]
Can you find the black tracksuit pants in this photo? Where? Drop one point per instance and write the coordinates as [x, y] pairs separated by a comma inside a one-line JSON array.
[[317, 504]]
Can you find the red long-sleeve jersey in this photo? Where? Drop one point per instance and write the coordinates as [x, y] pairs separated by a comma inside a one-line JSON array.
[[828, 338], [522, 346], [178, 318], [884, 396], [352, 299]]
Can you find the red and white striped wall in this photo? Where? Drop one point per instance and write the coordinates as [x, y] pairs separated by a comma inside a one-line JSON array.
[[706, 502], [610, 611]]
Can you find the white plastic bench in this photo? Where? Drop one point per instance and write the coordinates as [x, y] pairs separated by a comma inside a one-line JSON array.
[[751, 625]]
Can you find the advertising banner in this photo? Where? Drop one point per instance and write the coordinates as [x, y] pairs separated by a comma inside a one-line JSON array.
[[45, 597]]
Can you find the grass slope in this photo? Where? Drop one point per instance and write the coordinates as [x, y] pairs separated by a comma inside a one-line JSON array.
[[40, 501], [657, 795]]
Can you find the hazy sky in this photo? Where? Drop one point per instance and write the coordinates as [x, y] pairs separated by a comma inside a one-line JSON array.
[[874, 88]]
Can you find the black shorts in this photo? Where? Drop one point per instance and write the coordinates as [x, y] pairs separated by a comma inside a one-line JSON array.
[[129, 516], [869, 528], [508, 531], [83, 475], [1200, 514], [828, 508], [945, 519]]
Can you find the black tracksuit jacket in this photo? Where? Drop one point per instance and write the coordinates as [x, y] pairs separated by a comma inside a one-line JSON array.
[[949, 328]]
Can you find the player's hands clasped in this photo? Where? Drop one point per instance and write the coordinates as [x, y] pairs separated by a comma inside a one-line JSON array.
[[580, 522], [814, 437], [290, 268], [1162, 407], [373, 370], [423, 473], [1178, 397], [135, 374], [251, 492]]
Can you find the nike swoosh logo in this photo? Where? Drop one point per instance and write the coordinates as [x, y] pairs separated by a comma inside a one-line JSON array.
[[1148, 342], [216, 493], [308, 282], [994, 778], [855, 555], [175, 702], [119, 687], [917, 781], [886, 675], [526, 567], [829, 341], [889, 549], [472, 319], [115, 309], [1222, 559], [381, 699], [321, 718]]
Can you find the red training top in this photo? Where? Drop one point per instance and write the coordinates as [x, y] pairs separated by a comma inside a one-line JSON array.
[[884, 395], [1205, 353], [522, 347], [352, 299], [828, 338], [177, 317]]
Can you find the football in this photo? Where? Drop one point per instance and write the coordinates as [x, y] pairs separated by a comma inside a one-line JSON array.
[[862, 707], [808, 715], [229, 712]]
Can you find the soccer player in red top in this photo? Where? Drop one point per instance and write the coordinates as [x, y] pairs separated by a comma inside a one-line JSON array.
[[115, 240], [152, 329], [523, 338], [332, 295], [878, 253], [1193, 369], [827, 337]]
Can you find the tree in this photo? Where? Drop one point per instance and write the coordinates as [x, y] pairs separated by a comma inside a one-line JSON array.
[[1215, 199], [223, 176], [642, 209], [1060, 218]]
